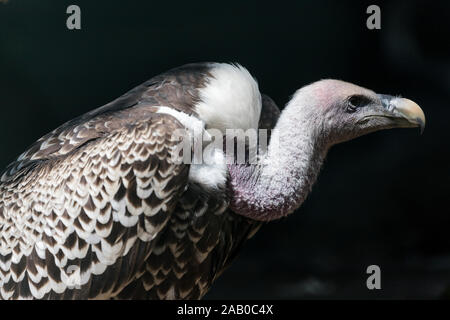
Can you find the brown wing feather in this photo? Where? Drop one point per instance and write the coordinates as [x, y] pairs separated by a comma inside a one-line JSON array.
[[269, 113], [199, 241], [176, 88], [88, 219]]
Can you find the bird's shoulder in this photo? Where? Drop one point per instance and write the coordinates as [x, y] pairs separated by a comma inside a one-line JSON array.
[[176, 89]]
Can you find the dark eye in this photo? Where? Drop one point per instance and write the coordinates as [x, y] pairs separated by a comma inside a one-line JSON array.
[[355, 102]]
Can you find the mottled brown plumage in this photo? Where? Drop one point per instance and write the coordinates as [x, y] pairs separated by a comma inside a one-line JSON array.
[[97, 209]]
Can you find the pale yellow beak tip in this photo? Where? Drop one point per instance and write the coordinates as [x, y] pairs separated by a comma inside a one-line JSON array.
[[411, 111]]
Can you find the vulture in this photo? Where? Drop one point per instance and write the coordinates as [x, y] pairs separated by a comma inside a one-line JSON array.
[[107, 206]]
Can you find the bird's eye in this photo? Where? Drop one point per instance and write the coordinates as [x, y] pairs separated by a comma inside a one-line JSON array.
[[355, 102]]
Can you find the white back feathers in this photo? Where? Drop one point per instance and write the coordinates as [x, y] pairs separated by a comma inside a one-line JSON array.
[[212, 173], [230, 100]]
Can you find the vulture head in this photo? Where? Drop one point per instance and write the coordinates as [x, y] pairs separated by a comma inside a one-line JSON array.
[[317, 117], [340, 111]]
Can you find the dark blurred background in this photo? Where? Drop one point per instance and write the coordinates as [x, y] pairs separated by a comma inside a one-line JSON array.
[[381, 199]]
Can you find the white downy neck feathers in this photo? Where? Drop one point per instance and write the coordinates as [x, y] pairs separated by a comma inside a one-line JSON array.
[[230, 100]]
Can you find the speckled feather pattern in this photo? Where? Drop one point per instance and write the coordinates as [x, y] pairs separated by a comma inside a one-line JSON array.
[[103, 194]]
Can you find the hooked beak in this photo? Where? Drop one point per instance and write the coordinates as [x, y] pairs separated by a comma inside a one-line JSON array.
[[406, 112]]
